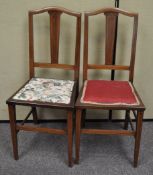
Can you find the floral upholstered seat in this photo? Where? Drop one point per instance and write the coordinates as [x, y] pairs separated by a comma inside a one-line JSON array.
[[109, 92], [46, 90]]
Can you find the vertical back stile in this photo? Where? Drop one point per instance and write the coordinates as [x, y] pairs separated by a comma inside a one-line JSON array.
[[133, 48], [77, 48], [85, 63], [31, 46]]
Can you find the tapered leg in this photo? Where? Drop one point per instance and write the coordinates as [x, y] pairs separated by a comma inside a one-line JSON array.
[[12, 117], [78, 130], [127, 114], [34, 113], [138, 136], [70, 137]]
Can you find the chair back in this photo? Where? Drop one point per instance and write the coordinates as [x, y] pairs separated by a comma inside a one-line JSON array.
[[111, 15], [54, 18]]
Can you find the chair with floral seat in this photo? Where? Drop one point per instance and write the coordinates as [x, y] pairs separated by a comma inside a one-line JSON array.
[[48, 92], [106, 94]]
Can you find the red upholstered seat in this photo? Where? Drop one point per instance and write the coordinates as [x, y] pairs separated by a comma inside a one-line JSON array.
[[109, 92]]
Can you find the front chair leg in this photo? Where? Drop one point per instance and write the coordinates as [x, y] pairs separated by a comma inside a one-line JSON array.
[[138, 136], [34, 113], [70, 137], [78, 130], [12, 117]]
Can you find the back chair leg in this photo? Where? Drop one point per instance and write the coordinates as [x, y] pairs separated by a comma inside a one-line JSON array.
[[127, 113], [12, 117], [138, 136], [83, 118], [34, 113], [70, 137], [110, 115], [78, 130]]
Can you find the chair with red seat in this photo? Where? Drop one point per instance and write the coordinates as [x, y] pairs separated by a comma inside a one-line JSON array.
[[48, 92], [107, 94]]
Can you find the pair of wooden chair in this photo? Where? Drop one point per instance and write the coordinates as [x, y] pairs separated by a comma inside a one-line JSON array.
[[62, 94]]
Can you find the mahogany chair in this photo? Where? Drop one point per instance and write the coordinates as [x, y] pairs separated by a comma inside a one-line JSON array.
[[47, 92], [107, 94]]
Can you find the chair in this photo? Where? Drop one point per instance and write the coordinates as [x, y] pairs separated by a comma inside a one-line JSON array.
[[47, 92], [107, 94]]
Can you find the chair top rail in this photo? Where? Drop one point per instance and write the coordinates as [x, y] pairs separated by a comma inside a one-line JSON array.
[[55, 8], [111, 10]]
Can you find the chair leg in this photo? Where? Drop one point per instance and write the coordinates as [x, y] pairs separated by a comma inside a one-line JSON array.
[[110, 115], [138, 137], [12, 117], [70, 137], [34, 113], [127, 114], [83, 118], [78, 130]]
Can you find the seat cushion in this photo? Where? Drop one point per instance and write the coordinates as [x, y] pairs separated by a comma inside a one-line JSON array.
[[46, 90], [109, 93]]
